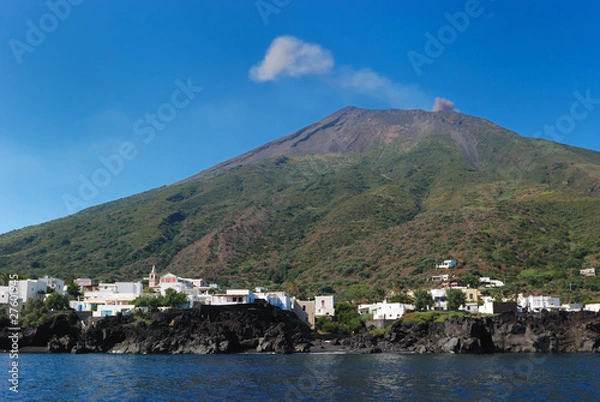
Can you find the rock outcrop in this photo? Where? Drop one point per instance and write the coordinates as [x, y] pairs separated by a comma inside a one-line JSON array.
[[205, 330], [510, 332], [263, 328]]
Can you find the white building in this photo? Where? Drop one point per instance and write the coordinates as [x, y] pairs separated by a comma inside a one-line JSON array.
[[233, 296], [587, 272], [538, 303], [278, 299], [58, 285], [117, 293], [31, 288], [571, 307], [324, 306], [439, 299], [105, 296], [490, 283], [592, 307], [245, 296], [4, 294], [170, 281], [447, 264], [440, 278], [470, 307], [384, 310], [496, 307], [110, 310], [196, 290], [84, 282], [153, 278]]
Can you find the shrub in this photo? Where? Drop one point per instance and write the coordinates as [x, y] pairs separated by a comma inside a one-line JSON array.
[[57, 301]]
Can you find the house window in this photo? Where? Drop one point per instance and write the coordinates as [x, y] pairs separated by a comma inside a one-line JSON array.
[[303, 308], [471, 296]]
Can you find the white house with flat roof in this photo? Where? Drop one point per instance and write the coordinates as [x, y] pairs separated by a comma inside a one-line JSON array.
[[117, 293], [538, 303], [571, 307], [439, 299], [279, 299], [233, 296], [440, 278], [106, 310], [384, 310], [31, 288], [447, 264], [595, 307], [4, 294], [490, 283], [324, 306], [98, 298], [58, 285]]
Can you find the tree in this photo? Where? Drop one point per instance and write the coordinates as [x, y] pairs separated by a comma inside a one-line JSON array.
[[174, 298], [455, 298], [423, 300], [4, 279], [401, 298], [73, 291], [34, 312], [56, 301], [471, 280], [346, 320], [152, 302]]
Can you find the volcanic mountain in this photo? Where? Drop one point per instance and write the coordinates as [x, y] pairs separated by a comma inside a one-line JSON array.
[[362, 197], [356, 130]]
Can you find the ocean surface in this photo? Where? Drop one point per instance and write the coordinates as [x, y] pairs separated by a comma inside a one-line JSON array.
[[309, 377]]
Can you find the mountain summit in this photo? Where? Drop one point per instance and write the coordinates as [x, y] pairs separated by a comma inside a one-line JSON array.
[[360, 197], [354, 130]]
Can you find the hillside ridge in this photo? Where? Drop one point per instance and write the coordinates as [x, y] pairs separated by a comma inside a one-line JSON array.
[[325, 136], [352, 203]]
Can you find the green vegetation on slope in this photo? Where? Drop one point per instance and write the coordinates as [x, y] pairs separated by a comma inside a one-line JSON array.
[[348, 223]]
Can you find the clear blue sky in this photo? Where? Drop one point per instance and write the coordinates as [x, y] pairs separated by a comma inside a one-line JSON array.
[[81, 82]]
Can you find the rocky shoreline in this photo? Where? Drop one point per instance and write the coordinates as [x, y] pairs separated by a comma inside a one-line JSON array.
[[546, 332], [257, 327], [262, 328]]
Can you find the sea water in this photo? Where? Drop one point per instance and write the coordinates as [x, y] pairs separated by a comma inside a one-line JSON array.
[[305, 377]]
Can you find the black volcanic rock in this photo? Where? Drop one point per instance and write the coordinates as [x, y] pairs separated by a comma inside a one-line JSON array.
[[205, 330], [507, 333], [264, 328]]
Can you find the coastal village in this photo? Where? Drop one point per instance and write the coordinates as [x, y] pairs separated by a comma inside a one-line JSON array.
[[111, 299]]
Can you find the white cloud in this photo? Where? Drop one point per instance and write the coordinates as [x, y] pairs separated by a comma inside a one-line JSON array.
[[367, 82], [442, 104], [290, 56]]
